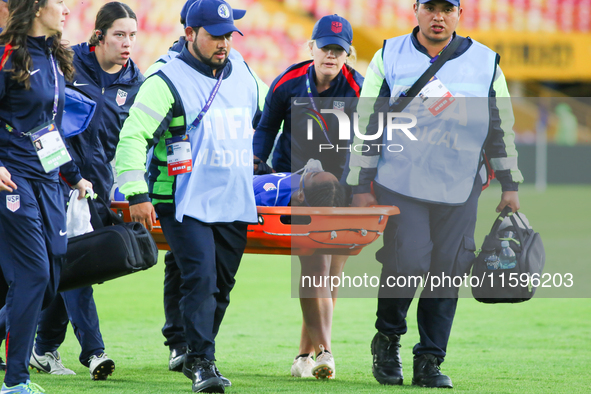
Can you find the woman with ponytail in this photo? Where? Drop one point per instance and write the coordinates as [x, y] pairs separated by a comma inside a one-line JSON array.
[[106, 75], [33, 67]]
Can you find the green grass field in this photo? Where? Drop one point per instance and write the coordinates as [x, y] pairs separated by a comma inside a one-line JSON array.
[[541, 346]]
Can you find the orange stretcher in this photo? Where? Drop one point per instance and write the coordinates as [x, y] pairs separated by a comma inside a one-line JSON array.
[[303, 231]]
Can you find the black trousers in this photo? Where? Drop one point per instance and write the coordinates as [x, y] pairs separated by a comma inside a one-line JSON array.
[[208, 256], [425, 238]]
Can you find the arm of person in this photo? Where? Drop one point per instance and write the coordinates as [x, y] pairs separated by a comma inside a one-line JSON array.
[[272, 117], [363, 165], [148, 117], [500, 147]]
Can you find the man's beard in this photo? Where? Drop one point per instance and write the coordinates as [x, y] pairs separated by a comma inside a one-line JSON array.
[[208, 61]]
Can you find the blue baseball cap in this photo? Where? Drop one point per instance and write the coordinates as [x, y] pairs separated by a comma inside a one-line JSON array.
[[452, 2], [333, 29], [237, 14], [215, 16]]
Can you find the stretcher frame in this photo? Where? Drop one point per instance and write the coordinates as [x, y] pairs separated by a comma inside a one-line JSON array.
[[302, 231]]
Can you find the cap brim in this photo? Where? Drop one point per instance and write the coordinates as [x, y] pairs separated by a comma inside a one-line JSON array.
[[238, 14], [221, 29], [324, 41], [455, 3]]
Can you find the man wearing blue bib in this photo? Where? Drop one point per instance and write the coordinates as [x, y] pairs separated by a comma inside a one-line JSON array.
[[200, 109], [434, 180]]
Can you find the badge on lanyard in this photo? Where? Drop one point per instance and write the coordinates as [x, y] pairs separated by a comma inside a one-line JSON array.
[[435, 96], [49, 146], [178, 155]]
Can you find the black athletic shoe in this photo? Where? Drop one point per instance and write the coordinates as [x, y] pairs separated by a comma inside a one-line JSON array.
[[2, 365], [177, 359], [387, 365], [225, 380], [202, 373], [426, 372]]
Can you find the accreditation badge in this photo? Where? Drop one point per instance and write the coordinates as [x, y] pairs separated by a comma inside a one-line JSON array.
[[50, 147], [178, 155], [436, 97]]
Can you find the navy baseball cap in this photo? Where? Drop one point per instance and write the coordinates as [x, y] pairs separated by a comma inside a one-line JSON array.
[[237, 14], [333, 29], [452, 2], [215, 16]]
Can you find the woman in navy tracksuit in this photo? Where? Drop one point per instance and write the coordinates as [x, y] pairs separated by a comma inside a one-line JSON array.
[[106, 74], [32, 216], [325, 82]]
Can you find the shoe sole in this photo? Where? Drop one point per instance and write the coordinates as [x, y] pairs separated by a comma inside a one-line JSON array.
[[389, 381], [103, 370], [443, 386], [214, 386], [36, 368], [322, 372]]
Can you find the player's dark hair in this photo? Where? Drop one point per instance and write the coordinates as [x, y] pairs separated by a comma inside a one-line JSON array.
[[325, 194], [108, 14]]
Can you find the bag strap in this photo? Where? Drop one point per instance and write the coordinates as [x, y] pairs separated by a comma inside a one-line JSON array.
[[95, 218], [495, 227], [520, 231], [430, 72], [507, 212]]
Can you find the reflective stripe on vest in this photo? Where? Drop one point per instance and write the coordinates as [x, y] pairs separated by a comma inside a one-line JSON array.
[[442, 164], [219, 189]]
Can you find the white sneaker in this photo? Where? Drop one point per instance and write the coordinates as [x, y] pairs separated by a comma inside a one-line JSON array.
[[302, 367], [324, 367], [49, 363], [101, 367]]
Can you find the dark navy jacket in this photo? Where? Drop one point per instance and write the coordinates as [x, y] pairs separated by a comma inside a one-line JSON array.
[[293, 148], [94, 148], [25, 110]]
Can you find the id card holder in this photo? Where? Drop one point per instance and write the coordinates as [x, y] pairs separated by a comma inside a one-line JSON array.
[[436, 97], [178, 155], [50, 147]]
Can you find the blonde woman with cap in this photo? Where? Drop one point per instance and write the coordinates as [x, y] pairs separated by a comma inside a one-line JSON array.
[[326, 81]]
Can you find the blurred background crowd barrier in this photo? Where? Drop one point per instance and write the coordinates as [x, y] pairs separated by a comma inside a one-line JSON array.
[[545, 48]]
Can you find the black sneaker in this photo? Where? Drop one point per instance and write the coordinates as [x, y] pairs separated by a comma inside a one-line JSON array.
[[225, 380], [387, 365], [2, 365], [177, 359], [426, 372], [202, 373]]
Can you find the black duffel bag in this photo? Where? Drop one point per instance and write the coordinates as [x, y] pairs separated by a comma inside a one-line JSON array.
[[108, 252], [497, 285]]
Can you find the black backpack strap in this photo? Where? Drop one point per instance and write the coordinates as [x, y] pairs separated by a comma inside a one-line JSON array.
[[95, 218], [520, 231], [432, 70]]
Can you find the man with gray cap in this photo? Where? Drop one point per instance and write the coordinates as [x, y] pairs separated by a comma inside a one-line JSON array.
[[434, 180], [199, 110]]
